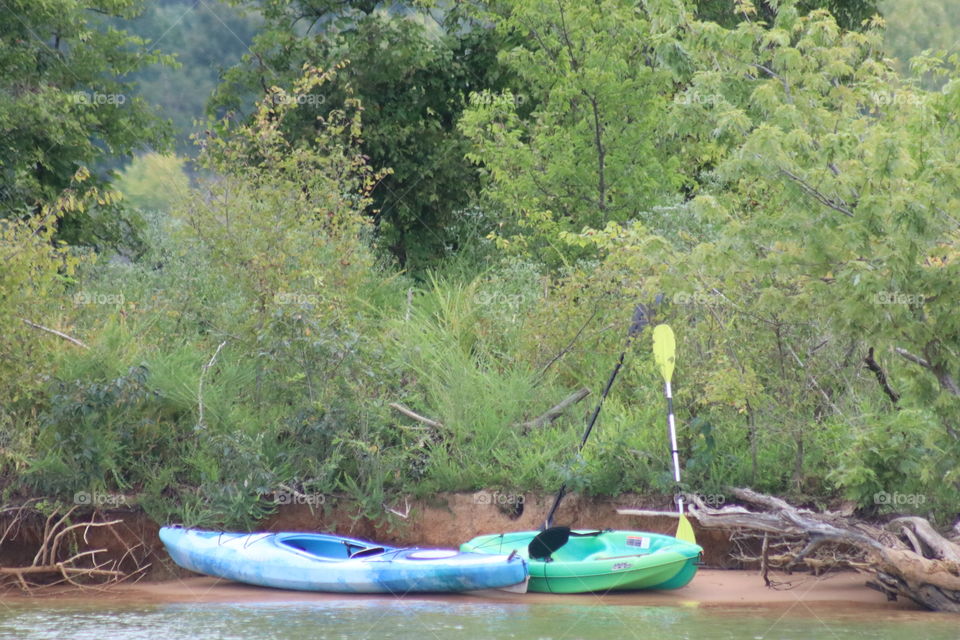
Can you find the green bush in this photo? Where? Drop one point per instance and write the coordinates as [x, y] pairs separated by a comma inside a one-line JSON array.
[[154, 181]]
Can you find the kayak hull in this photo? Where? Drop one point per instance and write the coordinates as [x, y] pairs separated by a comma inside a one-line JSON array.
[[321, 562], [610, 561]]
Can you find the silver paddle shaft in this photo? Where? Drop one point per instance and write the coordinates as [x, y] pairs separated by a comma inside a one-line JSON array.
[[671, 422]]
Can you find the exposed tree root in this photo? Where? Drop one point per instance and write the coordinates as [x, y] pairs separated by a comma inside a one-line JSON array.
[[62, 556], [906, 558]]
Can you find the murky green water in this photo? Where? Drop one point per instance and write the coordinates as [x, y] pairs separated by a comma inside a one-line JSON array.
[[406, 620]]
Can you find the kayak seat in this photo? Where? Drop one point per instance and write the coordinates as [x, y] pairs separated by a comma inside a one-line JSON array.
[[580, 548], [366, 553], [557, 539]]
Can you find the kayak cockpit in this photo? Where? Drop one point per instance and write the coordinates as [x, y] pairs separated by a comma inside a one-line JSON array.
[[632, 546], [330, 548]]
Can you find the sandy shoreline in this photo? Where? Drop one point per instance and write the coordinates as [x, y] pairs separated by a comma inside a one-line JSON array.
[[710, 588]]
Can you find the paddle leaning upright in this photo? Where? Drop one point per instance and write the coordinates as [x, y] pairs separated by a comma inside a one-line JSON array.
[[665, 356]]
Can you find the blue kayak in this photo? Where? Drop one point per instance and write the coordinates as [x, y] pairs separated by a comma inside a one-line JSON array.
[[323, 562]]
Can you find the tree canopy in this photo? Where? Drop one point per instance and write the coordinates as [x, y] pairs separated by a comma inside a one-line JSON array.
[[413, 70], [66, 104]]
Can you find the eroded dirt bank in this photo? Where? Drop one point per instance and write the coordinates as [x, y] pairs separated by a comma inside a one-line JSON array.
[[443, 520], [449, 519]]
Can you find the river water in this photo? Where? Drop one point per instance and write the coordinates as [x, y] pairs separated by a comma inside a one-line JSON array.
[[412, 620]]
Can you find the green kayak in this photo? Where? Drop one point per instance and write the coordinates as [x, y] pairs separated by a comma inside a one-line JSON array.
[[565, 561]]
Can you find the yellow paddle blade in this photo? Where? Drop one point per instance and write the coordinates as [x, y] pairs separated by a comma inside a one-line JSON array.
[[685, 530], [664, 350]]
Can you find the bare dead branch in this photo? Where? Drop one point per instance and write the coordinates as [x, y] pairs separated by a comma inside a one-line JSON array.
[[912, 358], [836, 205], [203, 373], [557, 410], [81, 568], [55, 332], [410, 413], [878, 371]]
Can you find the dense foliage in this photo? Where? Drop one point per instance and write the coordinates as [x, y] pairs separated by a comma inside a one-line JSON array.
[[413, 71], [768, 181], [65, 104], [593, 151]]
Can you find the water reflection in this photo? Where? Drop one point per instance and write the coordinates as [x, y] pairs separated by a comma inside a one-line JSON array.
[[416, 620]]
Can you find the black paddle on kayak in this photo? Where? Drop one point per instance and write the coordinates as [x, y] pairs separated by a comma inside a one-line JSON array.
[[640, 320]]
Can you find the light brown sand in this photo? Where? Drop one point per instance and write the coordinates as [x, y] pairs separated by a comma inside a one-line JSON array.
[[709, 588]]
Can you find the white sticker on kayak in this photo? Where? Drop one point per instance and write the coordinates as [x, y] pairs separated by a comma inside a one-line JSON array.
[[620, 566], [432, 554], [638, 541]]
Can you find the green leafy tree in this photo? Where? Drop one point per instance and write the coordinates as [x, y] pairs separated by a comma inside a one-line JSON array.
[[830, 149], [412, 73], [284, 218], [592, 151], [912, 27], [207, 38], [821, 244], [33, 283], [64, 105]]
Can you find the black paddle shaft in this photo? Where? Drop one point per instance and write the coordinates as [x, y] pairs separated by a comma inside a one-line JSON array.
[[640, 319]]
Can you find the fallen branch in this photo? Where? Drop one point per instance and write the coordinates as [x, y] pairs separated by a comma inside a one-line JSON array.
[[552, 414], [557, 410], [646, 513], [410, 413], [59, 567], [60, 334], [401, 514], [940, 547]]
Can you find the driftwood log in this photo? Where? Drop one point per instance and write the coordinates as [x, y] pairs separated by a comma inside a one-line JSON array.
[[906, 557]]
